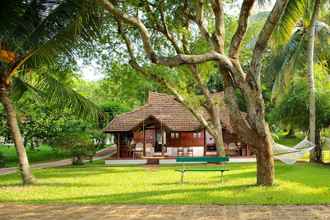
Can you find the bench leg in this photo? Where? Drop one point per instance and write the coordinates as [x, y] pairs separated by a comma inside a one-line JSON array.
[[182, 175], [221, 177]]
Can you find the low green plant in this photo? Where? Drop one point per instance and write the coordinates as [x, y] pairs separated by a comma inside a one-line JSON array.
[[79, 145]]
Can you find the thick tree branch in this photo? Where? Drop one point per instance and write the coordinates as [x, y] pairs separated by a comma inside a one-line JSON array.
[[135, 21], [265, 35], [241, 29], [166, 32], [161, 27], [199, 19], [239, 123], [196, 74], [167, 61], [218, 36], [128, 43]]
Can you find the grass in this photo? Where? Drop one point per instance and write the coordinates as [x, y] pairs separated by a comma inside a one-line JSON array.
[[43, 153], [302, 183], [289, 141]]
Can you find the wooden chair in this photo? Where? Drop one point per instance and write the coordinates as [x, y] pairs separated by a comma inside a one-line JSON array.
[[138, 150], [149, 149], [180, 152], [190, 152]]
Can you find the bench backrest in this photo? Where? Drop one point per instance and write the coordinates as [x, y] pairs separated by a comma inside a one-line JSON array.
[[202, 159]]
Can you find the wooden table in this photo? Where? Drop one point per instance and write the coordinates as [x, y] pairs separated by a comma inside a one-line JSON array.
[[153, 160]]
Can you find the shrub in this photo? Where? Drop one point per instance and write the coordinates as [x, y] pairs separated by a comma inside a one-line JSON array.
[[79, 145]]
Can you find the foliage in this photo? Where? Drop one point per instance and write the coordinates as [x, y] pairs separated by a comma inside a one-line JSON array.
[[295, 100], [121, 86], [302, 183], [78, 144], [47, 29]]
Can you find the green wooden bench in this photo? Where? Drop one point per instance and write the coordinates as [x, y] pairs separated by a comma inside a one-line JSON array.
[[204, 160]]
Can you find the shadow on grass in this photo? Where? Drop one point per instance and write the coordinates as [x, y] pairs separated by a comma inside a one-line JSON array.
[[129, 197], [185, 196]]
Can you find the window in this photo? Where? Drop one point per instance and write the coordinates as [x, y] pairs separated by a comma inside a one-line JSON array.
[[175, 135], [197, 134]]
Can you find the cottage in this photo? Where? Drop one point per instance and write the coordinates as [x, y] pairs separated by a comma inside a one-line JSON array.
[[165, 127]]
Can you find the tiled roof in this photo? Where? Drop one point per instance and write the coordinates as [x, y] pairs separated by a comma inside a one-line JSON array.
[[166, 109]]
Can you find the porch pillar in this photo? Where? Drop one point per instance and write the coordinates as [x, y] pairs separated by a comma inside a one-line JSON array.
[[118, 145], [144, 142], [162, 134]]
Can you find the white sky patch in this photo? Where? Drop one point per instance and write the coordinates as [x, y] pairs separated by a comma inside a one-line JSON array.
[[91, 71], [234, 8]]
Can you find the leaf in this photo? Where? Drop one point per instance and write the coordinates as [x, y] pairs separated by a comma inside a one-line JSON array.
[[53, 91]]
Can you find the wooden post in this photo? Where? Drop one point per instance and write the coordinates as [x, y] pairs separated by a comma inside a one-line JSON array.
[[204, 142], [162, 134], [118, 145], [144, 142]]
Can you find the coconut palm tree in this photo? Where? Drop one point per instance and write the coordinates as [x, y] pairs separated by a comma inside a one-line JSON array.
[[35, 33], [301, 20], [310, 75]]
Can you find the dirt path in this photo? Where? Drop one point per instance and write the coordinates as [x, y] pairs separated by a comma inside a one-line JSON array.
[[163, 212], [104, 153]]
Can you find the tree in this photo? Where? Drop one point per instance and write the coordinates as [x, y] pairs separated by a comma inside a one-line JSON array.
[[295, 99], [311, 84], [165, 33], [79, 144], [35, 33], [299, 44]]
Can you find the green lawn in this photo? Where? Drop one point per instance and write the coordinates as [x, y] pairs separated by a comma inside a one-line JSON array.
[[43, 153], [302, 183]]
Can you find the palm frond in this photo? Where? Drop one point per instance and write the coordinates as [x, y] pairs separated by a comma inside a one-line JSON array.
[[281, 69], [19, 87], [53, 91], [49, 28], [80, 27], [293, 14]]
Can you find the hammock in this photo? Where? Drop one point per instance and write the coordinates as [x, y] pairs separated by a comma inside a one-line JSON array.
[[290, 155]]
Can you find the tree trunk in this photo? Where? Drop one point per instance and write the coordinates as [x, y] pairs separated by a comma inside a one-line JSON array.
[[291, 133], [310, 76], [265, 162], [318, 149], [218, 137], [220, 145], [24, 166]]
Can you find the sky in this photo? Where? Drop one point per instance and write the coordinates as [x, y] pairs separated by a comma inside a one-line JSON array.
[[93, 71]]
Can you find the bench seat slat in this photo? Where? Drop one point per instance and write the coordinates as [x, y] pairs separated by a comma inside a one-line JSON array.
[[201, 169], [202, 159]]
